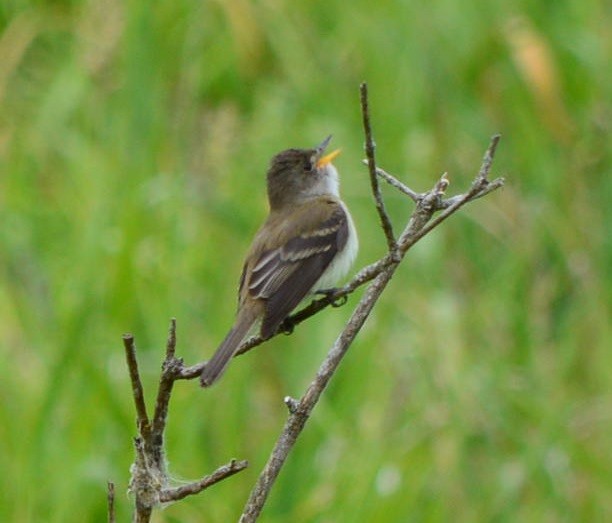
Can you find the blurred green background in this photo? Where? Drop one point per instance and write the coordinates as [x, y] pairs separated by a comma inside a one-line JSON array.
[[134, 139]]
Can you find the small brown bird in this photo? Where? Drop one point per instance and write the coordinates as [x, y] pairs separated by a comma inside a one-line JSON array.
[[307, 243]]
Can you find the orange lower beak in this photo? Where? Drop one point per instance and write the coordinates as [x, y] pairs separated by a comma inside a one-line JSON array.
[[321, 162]]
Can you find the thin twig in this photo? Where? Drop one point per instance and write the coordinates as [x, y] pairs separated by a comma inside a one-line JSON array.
[[110, 497], [487, 161], [166, 382], [479, 186], [223, 472], [370, 154], [394, 182], [137, 391], [171, 342]]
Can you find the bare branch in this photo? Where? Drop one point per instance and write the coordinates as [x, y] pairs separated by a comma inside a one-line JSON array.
[[149, 477], [479, 188], [132, 363], [166, 382], [300, 411], [225, 471], [146, 482], [110, 497], [369, 149], [171, 342], [487, 161], [394, 182], [194, 371]]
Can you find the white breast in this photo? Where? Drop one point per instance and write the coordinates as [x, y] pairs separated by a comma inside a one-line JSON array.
[[342, 262]]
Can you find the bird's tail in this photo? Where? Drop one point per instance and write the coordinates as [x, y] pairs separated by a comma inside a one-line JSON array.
[[215, 366]]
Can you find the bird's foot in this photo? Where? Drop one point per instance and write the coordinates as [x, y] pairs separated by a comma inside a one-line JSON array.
[[329, 294], [287, 326]]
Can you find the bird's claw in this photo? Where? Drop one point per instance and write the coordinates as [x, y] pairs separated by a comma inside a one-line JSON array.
[[329, 295], [287, 327]]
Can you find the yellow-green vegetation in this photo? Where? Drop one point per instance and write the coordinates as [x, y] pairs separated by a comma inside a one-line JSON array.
[[134, 139]]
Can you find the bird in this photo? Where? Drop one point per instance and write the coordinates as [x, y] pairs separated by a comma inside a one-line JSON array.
[[307, 243]]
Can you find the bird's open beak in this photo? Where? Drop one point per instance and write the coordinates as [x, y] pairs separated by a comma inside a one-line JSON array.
[[321, 162], [324, 160]]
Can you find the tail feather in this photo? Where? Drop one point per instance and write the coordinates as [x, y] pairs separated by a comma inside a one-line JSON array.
[[215, 366]]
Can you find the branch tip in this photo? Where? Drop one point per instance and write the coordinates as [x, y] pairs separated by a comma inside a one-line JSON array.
[[442, 184], [171, 343], [223, 472], [137, 389], [111, 501], [487, 160], [370, 147]]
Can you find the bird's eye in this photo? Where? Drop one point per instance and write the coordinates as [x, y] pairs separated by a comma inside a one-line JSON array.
[[309, 164]]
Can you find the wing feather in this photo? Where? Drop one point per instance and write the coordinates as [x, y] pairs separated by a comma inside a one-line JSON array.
[[283, 277]]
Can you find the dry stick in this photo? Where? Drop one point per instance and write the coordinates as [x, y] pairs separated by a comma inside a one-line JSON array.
[[301, 410], [141, 477], [149, 476], [166, 383], [394, 182], [148, 471], [369, 149], [132, 363], [144, 483], [225, 471], [110, 497], [480, 186]]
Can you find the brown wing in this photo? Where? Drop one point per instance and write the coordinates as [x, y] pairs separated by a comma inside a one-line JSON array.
[[283, 277]]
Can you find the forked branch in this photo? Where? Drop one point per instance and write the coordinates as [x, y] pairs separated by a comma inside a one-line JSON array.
[[150, 483]]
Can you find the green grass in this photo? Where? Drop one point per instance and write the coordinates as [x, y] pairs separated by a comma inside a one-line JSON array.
[[134, 139]]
